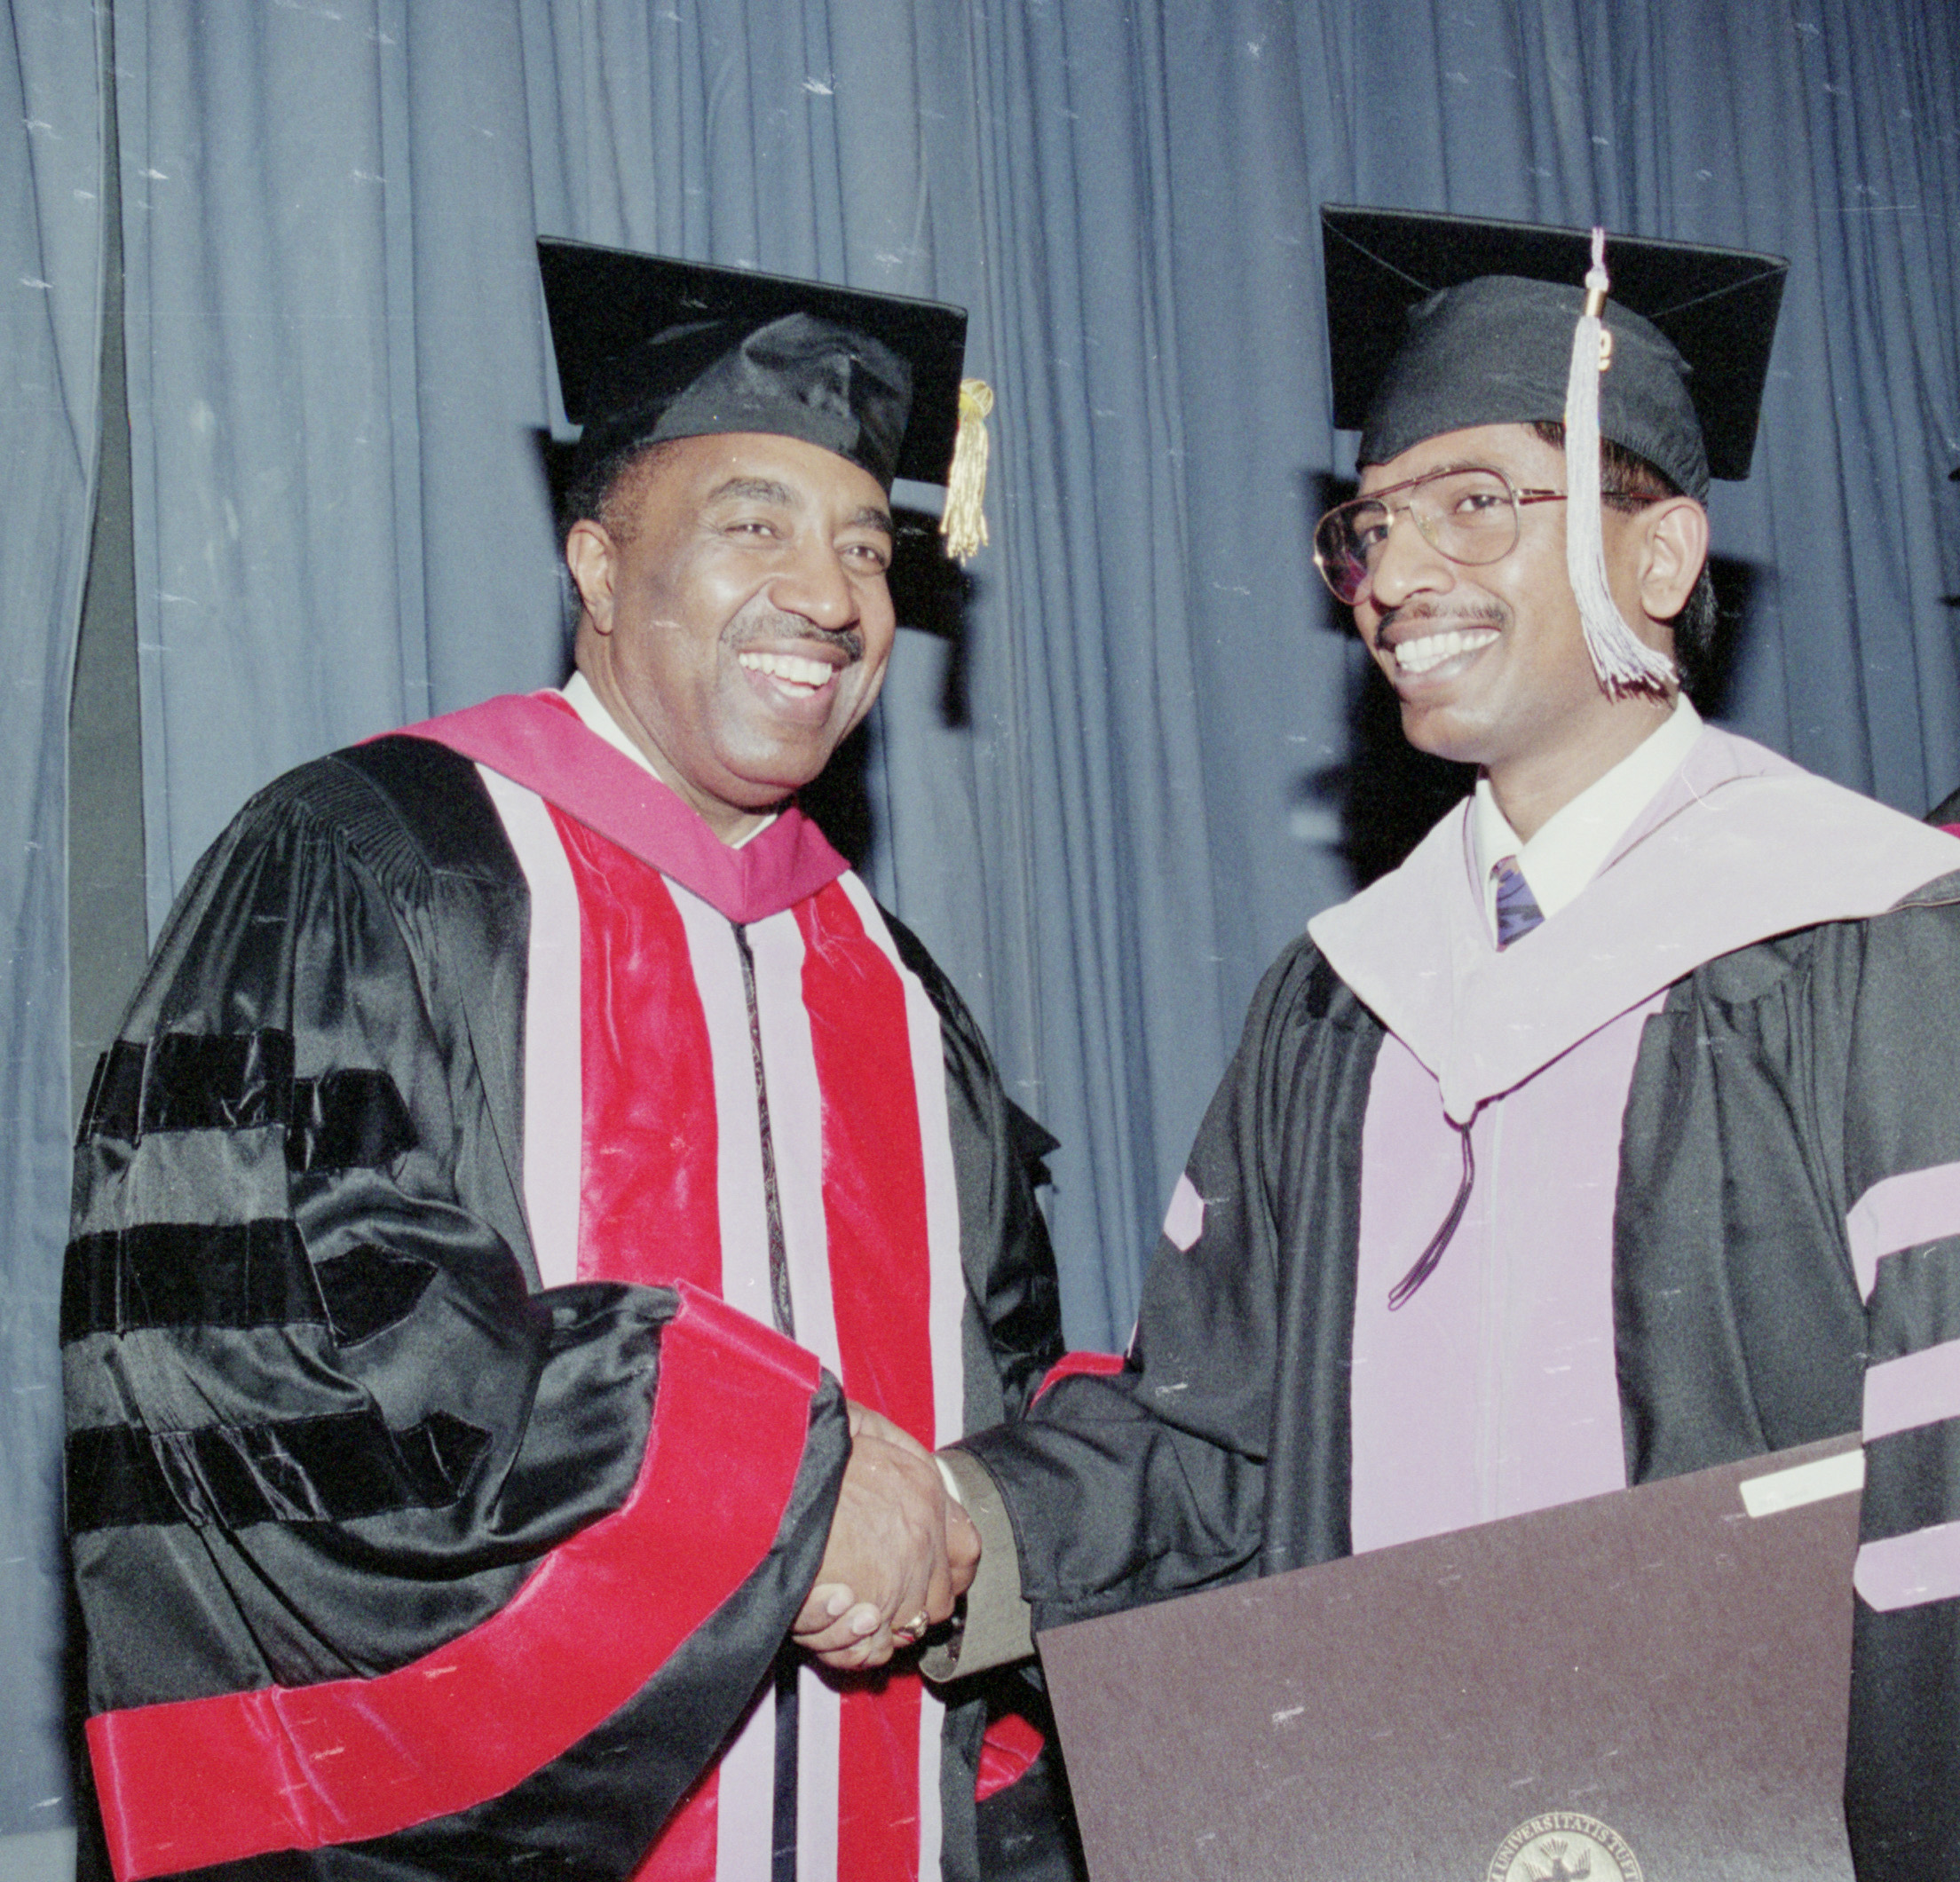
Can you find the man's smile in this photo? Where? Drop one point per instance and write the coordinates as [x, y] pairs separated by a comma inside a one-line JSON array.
[[1420, 641], [794, 662], [1424, 651], [796, 671]]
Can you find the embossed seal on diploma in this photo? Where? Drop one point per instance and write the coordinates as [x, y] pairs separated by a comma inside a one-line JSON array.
[[1561, 1846]]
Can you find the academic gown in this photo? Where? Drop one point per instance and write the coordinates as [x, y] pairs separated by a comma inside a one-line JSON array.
[[441, 1487], [1717, 1091]]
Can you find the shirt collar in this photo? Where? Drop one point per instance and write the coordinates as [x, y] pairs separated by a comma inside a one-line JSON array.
[[584, 701], [1567, 850]]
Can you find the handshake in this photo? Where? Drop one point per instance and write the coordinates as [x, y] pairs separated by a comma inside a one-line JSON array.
[[901, 1551]]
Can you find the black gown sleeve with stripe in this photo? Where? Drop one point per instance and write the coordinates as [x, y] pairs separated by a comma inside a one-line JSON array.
[[1781, 1087], [322, 1423]]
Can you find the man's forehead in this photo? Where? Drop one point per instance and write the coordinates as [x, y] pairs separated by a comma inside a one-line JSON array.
[[1489, 447], [775, 494], [759, 467]]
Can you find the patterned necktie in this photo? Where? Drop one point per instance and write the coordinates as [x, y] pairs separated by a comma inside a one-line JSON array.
[[1517, 913]]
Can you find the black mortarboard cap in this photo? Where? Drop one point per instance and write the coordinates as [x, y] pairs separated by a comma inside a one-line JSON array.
[[1440, 322], [649, 348]]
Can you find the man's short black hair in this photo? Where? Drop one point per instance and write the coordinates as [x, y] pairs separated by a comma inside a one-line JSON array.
[[585, 492], [1627, 479], [590, 492]]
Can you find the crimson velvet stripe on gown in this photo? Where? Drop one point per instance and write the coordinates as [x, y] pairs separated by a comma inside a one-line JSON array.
[[648, 1210], [648, 1200], [874, 1208]]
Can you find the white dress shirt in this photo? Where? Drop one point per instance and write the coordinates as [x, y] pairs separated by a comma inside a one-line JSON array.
[[1565, 853]]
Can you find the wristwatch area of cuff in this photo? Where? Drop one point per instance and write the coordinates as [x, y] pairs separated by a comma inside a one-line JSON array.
[[994, 1627]]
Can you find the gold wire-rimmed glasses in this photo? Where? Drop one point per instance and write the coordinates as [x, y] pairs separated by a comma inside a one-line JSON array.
[[1467, 513]]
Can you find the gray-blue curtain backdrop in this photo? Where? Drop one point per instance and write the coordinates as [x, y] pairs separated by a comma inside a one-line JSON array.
[[1116, 796], [50, 286]]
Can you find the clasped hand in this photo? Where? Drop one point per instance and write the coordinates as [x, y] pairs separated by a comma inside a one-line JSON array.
[[899, 1549]]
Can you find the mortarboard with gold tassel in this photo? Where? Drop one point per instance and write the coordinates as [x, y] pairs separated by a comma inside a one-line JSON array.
[[649, 348]]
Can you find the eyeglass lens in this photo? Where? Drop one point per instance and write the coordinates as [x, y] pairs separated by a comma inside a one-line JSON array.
[[1469, 515]]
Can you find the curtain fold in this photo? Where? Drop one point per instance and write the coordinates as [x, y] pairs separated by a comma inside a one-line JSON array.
[[50, 285], [275, 428]]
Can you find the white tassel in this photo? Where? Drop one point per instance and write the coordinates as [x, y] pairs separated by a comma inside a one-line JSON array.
[[1623, 660]]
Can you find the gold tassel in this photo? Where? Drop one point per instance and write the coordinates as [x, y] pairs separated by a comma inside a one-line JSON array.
[[964, 522]]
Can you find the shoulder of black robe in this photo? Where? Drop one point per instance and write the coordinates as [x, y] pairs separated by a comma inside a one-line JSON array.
[[1012, 1329], [1170, 1475], [1738, 1325], [320, 1424]]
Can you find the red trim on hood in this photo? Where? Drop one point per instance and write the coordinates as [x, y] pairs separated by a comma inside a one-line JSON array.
[[538, 739]]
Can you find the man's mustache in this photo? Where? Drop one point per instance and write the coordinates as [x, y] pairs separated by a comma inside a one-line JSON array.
[[775, 628], [1481, 615]]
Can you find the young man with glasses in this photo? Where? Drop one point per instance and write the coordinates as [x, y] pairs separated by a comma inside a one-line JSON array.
[[1610, 1137]]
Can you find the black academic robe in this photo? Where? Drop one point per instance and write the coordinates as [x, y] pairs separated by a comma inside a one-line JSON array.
[[345, 1487], [1777, 1087]]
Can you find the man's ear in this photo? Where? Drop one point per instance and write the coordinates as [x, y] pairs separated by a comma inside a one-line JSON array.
[[1673, 550], [592, 557]]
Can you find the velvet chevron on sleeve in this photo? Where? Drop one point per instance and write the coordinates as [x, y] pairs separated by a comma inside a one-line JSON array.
[[1901, 1161], [1788, 1266], [390, 1562]]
